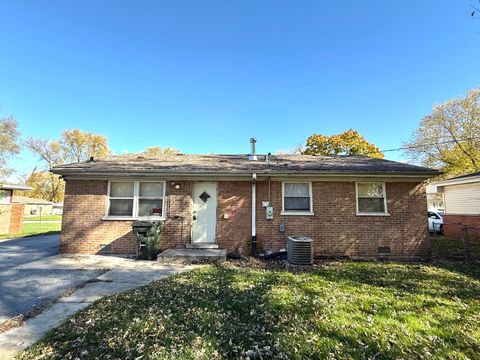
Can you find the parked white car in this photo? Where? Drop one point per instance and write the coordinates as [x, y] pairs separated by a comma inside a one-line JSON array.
[[435, 222]]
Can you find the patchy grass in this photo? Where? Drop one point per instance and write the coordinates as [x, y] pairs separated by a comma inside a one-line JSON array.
[[43, 218], [32, 229], [340, 310]]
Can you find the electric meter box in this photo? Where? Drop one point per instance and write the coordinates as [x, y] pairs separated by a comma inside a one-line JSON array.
[[269, 211]]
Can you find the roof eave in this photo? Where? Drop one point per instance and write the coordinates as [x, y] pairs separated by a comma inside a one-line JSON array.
[[467, 180], [236, 173], [15, 187]]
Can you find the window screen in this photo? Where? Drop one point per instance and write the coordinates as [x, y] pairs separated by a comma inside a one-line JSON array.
[[371, 198], [136, 199], [150, 202], [121, 198], [296, 197]]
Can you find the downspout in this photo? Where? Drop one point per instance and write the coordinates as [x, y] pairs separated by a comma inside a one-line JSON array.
[[254, 215]]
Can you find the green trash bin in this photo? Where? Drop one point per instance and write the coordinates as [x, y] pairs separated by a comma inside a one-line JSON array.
[[148, 238]]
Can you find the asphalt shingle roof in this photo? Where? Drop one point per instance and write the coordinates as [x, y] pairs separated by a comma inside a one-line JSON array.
[[465, 176], [184, 164]]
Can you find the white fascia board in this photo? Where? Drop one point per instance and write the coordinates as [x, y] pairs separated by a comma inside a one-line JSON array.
[[473, 179]]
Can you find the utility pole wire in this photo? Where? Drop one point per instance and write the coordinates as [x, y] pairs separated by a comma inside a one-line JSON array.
[[431, 144]]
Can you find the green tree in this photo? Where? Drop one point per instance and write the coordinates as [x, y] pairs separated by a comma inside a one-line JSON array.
[[349, 142], [9, 144], [449, 137]]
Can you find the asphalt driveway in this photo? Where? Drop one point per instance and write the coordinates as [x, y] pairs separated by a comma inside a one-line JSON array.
[[22, 289]]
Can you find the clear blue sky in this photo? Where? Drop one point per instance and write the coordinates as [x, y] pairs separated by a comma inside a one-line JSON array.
[[205, 76]]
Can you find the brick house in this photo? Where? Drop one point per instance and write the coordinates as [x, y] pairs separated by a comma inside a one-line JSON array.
[[349, 205], [461, 196], [11, 215]]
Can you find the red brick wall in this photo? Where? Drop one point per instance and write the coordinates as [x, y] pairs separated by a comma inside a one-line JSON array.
[[452, 226], [335, 227], [234, 200], [83, 230], [338, 231], [16, 218], [176, 231]]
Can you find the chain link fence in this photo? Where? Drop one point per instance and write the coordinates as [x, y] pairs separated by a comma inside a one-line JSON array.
[[465, 245]]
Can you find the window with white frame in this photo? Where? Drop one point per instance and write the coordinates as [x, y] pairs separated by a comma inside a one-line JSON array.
[[136, 198], [371, 198], [297, 197]]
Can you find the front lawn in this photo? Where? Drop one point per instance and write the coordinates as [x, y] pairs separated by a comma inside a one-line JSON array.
[[340, 310], [31, 229]]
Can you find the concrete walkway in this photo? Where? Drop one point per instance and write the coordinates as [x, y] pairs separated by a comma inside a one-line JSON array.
[[122, 275], [172, 256]]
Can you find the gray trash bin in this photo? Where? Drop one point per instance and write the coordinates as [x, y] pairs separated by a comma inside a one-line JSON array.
[[148, 238]]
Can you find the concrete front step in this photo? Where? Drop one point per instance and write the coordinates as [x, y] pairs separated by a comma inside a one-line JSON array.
[[202, 246], [191, 255]]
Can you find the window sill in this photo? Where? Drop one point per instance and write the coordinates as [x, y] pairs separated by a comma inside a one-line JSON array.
[[131, 218], [373, 214], [297, 213]]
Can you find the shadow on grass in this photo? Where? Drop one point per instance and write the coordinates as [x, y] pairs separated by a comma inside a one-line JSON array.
[[351, 310], [457, 281], [174, 315]]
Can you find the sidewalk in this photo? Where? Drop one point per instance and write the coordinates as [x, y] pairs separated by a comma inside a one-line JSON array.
[[123, 274]]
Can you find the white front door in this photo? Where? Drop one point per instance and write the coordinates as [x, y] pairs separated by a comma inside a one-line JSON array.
[[204, 212]]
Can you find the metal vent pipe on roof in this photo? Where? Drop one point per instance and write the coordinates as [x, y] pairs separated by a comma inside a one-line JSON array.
[[253, 155]]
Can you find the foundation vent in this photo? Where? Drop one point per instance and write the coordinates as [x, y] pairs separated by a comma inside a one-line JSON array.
[[384, 250]]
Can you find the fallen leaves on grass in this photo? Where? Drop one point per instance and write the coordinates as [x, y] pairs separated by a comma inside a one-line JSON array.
[[249, 309]]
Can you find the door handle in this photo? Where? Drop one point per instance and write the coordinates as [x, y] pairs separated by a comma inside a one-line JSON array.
[[194, 215]]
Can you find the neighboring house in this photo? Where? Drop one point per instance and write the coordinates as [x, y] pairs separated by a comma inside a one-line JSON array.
[[11, 215], [34, 206], [462, 204], [57, 208], [7, 191], [434, 199], [349, 205]]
